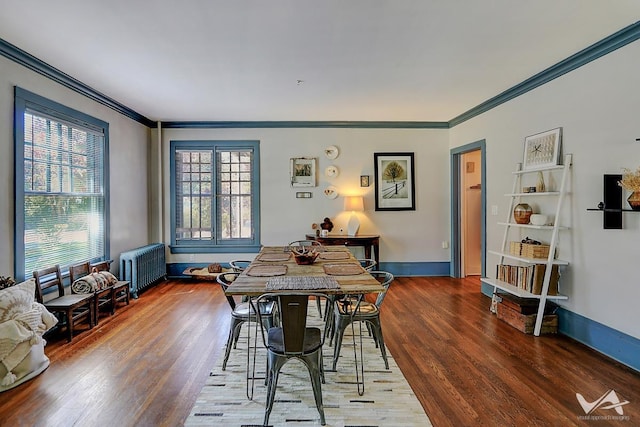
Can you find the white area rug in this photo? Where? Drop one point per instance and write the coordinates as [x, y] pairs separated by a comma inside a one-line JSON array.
[[387, 400]]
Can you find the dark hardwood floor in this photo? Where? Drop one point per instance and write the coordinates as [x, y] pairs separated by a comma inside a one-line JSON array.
[[145, 365]]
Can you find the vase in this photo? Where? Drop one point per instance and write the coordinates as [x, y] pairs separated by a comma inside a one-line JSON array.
[[522, 213], [634, 200], [540, 184]]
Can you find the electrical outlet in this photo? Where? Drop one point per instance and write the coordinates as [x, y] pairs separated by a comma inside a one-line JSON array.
[[445, 244], [494, 209]]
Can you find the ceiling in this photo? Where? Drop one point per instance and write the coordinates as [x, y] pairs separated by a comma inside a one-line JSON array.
[[306, 60]]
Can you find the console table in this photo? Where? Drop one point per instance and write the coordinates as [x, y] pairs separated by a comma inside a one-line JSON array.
[[369, 242]]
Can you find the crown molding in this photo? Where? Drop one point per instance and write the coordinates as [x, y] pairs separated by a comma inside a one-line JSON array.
[[302, 124], [29, 61], [607, 45], [615, 41]]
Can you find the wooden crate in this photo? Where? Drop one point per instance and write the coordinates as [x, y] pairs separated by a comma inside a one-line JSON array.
[[528, 250], [521, 314]]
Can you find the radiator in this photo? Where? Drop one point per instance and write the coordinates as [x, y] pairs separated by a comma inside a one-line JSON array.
[[143, 267]]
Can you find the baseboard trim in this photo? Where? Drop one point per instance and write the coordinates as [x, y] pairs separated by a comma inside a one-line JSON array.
[[612, 343], [409, 269]]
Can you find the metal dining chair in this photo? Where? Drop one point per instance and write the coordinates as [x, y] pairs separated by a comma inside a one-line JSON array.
[[241, 313], [368, 264], [293, 340], [239, 265], [348, 310], [306, 244]]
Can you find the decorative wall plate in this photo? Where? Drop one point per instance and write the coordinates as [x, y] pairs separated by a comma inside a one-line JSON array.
[[331, 192], [331, 152], [331, 171]]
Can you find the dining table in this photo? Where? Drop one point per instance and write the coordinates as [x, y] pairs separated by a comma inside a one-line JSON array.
[[335, 271]]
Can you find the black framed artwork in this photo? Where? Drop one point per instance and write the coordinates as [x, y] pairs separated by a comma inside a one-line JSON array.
[[394, 181]]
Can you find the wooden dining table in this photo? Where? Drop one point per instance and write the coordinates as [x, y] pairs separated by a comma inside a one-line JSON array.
[[334, 272], [335, 262]]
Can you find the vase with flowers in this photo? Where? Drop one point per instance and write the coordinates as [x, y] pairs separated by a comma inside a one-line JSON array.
[[631, 182]]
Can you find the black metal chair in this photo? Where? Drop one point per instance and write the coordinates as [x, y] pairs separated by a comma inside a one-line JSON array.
[[293, 339], [345, 313], [241, 313], [307, 244], [368, 264]]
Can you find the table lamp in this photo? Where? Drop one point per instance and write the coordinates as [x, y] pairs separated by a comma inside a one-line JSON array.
[[353, 204]]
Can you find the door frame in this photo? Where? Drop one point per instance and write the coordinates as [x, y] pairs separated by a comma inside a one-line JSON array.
[[456, 191]]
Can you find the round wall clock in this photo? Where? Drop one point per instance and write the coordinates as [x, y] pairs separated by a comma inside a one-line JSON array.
[[331, 152], [331, 171]]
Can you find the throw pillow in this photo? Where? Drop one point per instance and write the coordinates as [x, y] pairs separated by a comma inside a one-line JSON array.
[[17, 299]]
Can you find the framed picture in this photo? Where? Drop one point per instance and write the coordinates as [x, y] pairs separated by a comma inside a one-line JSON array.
[[542, 149], [303, 172], [394, 181], [364, 180]]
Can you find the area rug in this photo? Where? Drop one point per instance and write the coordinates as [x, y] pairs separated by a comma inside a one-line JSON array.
[[387, 400]]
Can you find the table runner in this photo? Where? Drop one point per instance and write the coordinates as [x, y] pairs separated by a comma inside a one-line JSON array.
[[266, 270], [301, 283]]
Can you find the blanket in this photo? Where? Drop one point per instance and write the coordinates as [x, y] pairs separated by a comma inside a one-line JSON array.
[[28, 326]]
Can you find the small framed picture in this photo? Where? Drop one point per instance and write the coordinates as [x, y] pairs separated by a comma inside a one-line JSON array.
[[364, 180], [542, 150], [303, 172]]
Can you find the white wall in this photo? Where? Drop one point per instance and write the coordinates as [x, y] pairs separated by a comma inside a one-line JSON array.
[[406, 236], [128, 151], [597, 107]]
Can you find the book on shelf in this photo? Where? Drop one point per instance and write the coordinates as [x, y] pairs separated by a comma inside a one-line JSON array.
[[528, 277]]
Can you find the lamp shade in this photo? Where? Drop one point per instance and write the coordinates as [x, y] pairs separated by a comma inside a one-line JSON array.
[[354, 203]]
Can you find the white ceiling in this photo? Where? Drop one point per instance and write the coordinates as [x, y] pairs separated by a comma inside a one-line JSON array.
[[359, 60]]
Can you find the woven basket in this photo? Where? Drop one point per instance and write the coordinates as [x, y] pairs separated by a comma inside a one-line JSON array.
[[529, 251]]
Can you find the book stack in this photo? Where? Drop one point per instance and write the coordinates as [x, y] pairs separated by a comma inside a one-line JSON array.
[[528, 277]]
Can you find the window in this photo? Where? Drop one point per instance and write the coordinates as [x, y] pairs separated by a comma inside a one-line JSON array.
[[61, 185], [215, 196]]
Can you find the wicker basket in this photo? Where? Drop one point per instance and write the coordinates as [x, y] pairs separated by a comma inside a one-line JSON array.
[[528, 250]]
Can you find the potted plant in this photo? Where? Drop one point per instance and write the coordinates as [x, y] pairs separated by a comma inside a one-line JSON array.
[[631, 182]]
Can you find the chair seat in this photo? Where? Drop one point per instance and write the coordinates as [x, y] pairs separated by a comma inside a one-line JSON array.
[[67, 300], [312, 340], [364, 309]]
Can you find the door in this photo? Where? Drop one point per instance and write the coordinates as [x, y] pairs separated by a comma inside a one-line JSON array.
[[468, 210]]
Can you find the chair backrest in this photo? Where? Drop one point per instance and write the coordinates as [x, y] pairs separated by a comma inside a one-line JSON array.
[[239, 265], [367, 263], [305, 243], [77, 271], [48, 278], [293, 318], [102, 265], [225, 279], [385, 278]]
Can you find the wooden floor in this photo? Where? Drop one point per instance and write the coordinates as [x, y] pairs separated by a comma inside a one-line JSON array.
[[145, 365]]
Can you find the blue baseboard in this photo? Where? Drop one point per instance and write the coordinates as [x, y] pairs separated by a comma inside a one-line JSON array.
[[416, 268], [615, 344], [608, 341]]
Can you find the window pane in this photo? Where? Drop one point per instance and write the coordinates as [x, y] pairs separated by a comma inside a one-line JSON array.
[[64, 196], [218, 201]]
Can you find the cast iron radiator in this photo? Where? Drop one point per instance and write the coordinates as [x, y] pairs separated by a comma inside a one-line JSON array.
[[143, 267]]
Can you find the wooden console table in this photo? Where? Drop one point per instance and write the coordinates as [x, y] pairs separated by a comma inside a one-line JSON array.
[[369, 242]]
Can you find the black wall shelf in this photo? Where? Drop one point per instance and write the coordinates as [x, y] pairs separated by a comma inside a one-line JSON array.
[[612, 206]]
